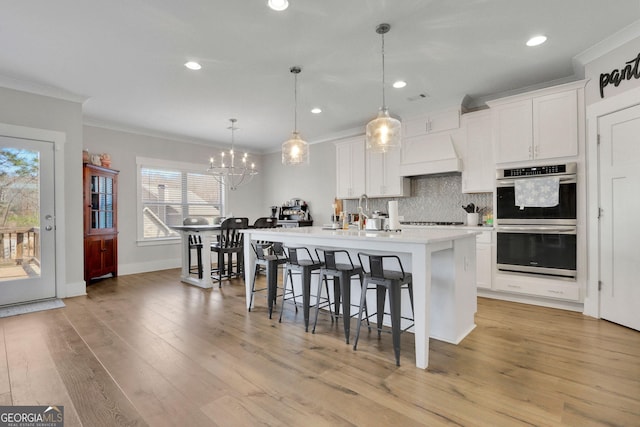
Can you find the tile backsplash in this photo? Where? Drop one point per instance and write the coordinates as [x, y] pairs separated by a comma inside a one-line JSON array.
[[433, 198]]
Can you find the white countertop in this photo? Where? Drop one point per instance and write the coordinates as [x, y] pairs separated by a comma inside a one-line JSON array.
[[413, 235]]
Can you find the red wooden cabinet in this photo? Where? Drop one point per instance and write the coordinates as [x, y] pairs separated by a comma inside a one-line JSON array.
[[100, 222]]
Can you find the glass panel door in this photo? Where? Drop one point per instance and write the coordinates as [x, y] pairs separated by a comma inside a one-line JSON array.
[[27, 225]]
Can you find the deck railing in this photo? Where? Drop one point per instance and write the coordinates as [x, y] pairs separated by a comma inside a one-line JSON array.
[[19, 245]]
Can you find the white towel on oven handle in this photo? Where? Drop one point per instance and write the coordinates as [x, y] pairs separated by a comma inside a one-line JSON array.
[[540, 192]]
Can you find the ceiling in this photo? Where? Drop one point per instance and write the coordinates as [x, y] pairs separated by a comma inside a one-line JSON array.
[[125, 57]]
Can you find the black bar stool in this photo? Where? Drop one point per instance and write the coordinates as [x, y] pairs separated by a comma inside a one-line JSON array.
[[383, 280], [339, 266], [269, 256], [301, 262], [230, 241], [195, 242]]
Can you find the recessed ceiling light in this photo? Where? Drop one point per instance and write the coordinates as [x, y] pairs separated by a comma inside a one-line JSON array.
[[316, 110], [536, 40], [192, 65], [278, 5], [399, 84]]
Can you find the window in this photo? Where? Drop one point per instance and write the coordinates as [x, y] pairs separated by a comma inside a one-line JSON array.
[[169, 192]]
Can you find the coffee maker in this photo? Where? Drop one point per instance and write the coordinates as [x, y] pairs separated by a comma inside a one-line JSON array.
[[274, 211]]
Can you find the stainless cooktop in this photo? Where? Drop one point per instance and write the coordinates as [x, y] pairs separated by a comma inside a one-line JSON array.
[[431, 223]]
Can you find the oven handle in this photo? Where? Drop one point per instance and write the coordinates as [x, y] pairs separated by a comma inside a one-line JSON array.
[[545, 229], [567, 179]]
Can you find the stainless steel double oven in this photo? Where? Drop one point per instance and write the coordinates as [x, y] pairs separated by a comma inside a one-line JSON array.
[[537, 240]]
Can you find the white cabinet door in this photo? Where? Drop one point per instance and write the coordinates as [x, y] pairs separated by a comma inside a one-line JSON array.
[[555, 125], [484, 266], [358, 168], [513, 131], [444, 120], [376, 171], [383, 175], [434, 122], [539, 128], [350, 168], [478, 173]]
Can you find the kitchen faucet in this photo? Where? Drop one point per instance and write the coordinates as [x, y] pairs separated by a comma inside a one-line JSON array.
[[366, 201]]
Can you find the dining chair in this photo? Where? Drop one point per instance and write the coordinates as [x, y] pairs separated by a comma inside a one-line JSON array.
[[265, 222]]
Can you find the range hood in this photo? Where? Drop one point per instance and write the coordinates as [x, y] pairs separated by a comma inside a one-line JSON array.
[[429, 154]]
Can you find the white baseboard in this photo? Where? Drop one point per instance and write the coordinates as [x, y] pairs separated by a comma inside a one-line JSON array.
[[145, 267], [528, 299], [75, 289]]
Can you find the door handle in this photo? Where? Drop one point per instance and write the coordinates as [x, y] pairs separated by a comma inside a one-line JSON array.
[[48, 228]]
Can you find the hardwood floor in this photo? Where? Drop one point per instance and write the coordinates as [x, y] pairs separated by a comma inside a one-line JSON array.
[[148, 350]]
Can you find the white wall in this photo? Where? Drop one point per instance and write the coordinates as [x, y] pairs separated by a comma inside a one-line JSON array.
[[42, 112], [124, 147], [315, 183]]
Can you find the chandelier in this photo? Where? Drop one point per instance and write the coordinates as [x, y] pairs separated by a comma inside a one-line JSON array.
[[295, 151], [226, 171], [383, 132]]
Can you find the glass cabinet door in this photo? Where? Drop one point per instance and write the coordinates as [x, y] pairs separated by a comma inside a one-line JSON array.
[[101, 202]]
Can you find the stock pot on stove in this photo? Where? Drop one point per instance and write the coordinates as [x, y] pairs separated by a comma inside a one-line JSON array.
[[375, 223]]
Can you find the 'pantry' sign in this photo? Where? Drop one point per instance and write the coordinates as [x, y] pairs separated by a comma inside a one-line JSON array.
[[615, 77]]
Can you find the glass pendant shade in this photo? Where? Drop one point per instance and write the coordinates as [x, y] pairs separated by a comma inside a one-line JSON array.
[[383, 133], [295, 151]]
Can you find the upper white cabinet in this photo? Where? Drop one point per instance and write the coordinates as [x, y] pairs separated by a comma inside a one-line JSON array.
[[350, 168], [383, 175], [434, 122], [478, 172], [555, 125], [513, 131], [539, 125]]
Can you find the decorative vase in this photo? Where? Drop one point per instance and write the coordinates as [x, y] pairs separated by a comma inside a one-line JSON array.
[[106, 160]]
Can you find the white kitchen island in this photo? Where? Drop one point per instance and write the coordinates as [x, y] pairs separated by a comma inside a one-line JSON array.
[[442, 263]]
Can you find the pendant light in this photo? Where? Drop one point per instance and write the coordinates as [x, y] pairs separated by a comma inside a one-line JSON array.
[[384, 132], [295, 151]]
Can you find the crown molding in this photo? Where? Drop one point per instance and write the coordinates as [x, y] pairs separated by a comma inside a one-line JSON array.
[[118, 127], [41, 89], [625, 35]]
